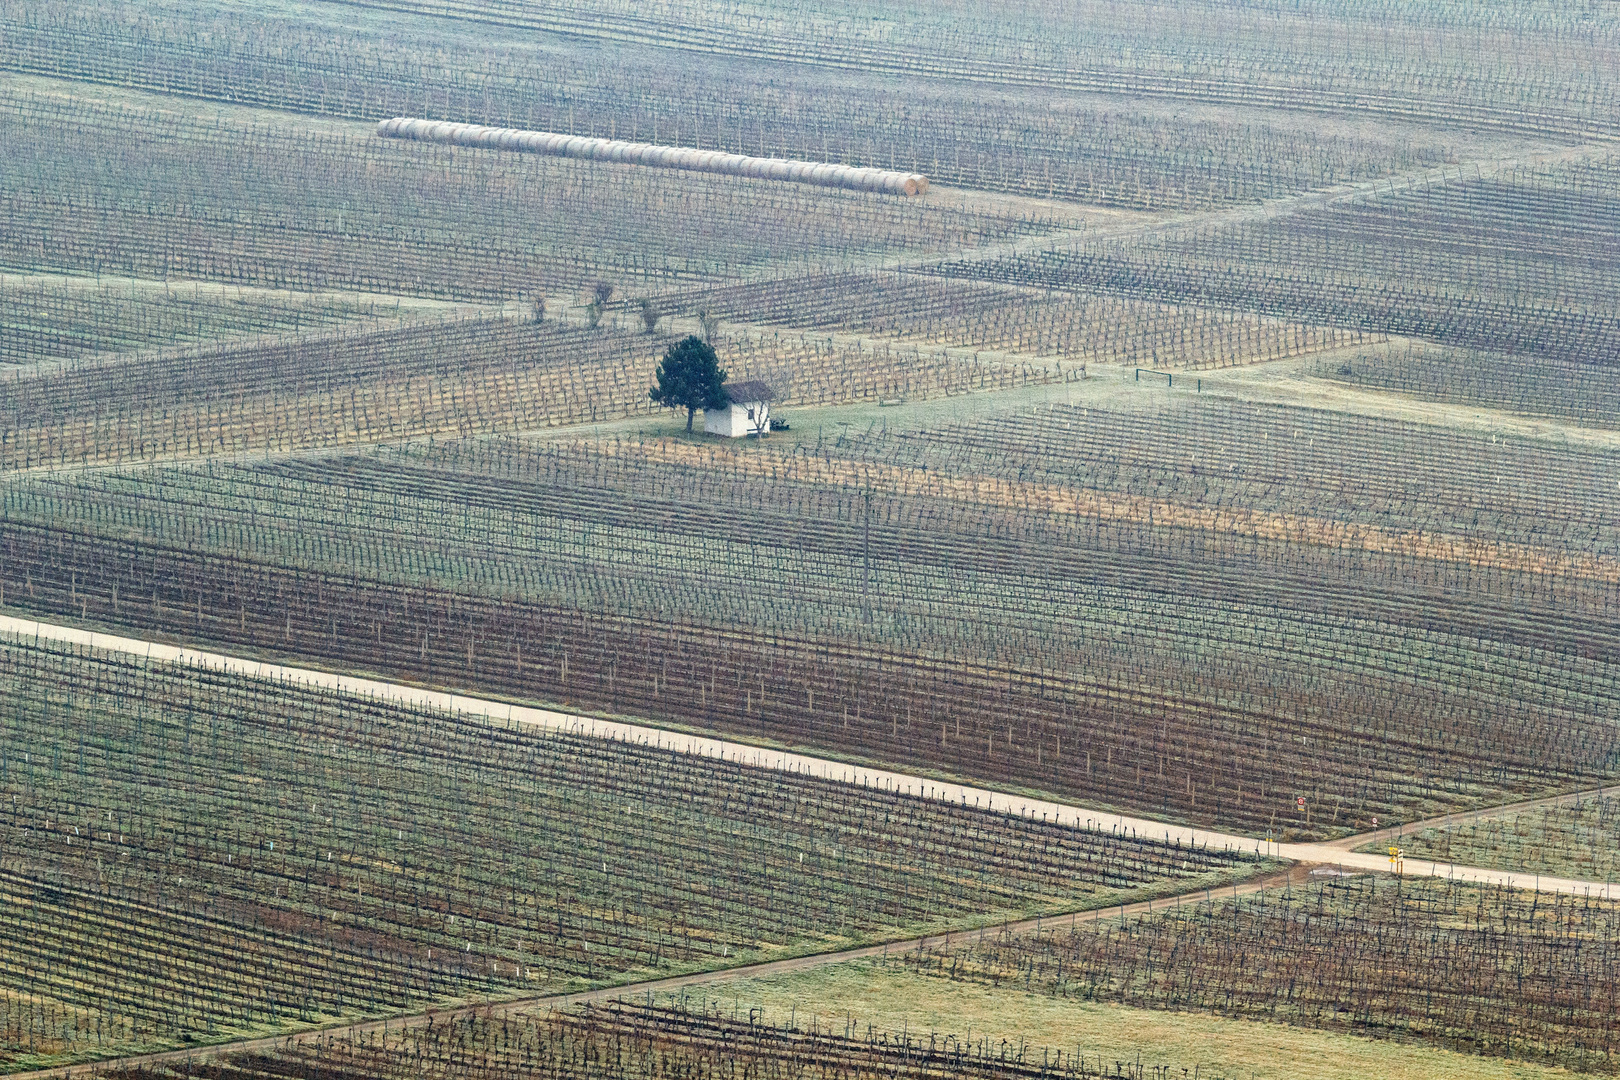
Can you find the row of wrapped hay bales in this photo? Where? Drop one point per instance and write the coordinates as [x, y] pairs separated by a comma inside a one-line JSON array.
[[823, 174]]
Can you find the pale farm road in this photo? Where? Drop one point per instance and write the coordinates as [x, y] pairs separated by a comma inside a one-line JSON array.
[[1336, 853]]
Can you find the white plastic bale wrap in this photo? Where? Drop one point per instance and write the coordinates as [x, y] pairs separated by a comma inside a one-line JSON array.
[[819, 173]]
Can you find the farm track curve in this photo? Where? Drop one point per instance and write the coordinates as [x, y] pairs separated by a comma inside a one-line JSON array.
[[1143, 226], [1336, 852], [1304, 858], [1471, 817], [507, 1006]]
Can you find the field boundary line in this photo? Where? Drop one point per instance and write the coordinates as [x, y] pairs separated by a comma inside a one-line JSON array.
[[1336, 852], [1283, 206], [507, 1006], [718, 749], [1393, 833]]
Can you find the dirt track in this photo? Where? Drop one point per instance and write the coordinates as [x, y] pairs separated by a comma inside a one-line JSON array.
[[1469, 817], [1337, 853], [655, 986]]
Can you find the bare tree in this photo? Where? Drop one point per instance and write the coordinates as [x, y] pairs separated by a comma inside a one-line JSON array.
[[601, 296], [650, 314], [710, 323]]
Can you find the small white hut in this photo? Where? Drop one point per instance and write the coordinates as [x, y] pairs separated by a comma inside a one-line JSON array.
[[748, 414]]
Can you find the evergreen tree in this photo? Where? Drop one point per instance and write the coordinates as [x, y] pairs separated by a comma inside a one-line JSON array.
[[690, 378]]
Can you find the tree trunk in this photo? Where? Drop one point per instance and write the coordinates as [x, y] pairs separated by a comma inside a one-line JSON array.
[[690, 412]]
